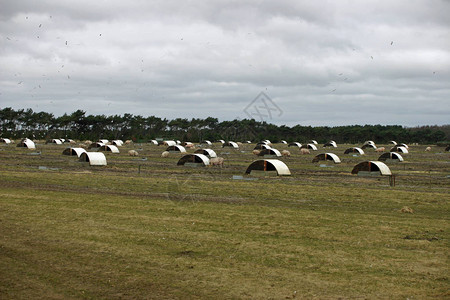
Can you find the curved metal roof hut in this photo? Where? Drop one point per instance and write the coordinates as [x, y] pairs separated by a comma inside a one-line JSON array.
[[117, 143], [330, 144], [391, 157], [55, 141], [96, 145], [270, 153], [109, 148], [261, 147], [371, 168], [207, 152], [393, 142], [154, 142], [283, 142], [73, 151], [327, 156], [369, 142], [269, 165], [403, 145], [188, 144], [194, 160], [176, 149], [169, 143], [206, 142], [356, 150], [27, 143], [93, 158], [369, 145], [231, 144], [399, 149], [309, 146], [5, 141], [103, 141], [313, 142], [221, 141], [295, 144]]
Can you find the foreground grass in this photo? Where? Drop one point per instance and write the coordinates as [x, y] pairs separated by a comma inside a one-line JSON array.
[[167, 233]]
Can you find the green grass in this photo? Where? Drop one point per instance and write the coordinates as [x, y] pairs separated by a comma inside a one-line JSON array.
[[172, 232]]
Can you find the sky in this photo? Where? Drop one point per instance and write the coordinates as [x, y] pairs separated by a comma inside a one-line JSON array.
[[312, 63]]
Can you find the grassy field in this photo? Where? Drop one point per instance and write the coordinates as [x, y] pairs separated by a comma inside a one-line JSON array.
[[142, 227]]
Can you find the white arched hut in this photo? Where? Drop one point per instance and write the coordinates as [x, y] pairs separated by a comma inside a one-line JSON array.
[[268, 166], [369, 145], [399, 149], [55, 141], [27, 143], [207, 152], [231, 144], [96, 145], [309, 146], [103, 141], [270, 153], [325, 157], [154, 142], [295, 144], [260, 146], [93, 158], [313, 142], [330, 144], [176, 149], [194, 160], [73, 151], [206, 142], [109, 148], [5, 141], [371, 168], [169, 143], [391, 157], [117, 143], [354, 150]]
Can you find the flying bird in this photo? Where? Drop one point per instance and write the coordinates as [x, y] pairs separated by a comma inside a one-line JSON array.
[[392, 43], [371, 57], [40, 25]]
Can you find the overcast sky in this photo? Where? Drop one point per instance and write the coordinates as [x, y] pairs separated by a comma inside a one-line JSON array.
[[318, 62]]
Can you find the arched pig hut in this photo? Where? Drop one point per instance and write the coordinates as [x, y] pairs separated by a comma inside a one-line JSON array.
[[327, 157], [195, 160], [268, 166], [371, 168]]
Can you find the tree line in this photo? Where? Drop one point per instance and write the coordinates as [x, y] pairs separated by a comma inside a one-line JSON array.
[[77, 125]]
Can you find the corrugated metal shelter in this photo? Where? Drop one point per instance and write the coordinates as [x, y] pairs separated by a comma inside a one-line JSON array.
[[261, 147], [271, 152], [371, 168], [221, 141], [103, 141], [391, 157], [117, 143], [269, 165], [309, 146], [194, 160], [96, 145], [283, 142], [295, 144], [373, 146], [176, 149], [206, 142], [354, 150], [393, 143], [27, 143], [327, 156], [154, 142], [399, 149], [170, 143], [109, 148], [208, 152], [313, 142], [5, 141], [93, 158], [74, 151], [403, 145], [330, 144], [55, 141], [231, 144]]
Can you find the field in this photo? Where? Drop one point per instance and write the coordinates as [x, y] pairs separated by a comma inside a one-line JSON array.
[[143, 227]]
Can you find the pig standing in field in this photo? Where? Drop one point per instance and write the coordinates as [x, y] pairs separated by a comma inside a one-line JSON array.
[[304, 151], [216, 161]]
